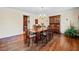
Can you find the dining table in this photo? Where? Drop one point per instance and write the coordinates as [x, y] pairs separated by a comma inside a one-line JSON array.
[[36, 34], [37, 29]]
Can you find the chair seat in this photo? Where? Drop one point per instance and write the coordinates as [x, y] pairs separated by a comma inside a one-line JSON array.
[[44, 33], [32, 35]]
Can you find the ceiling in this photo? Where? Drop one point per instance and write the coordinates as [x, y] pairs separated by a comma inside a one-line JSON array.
[[45, 10]]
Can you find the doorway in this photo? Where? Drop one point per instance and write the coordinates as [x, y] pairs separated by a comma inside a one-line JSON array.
[[25, 29], [25, 23]]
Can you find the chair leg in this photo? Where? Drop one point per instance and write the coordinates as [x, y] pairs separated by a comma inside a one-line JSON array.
[[28, 42], [32, 41], [42, 40], [46, 40], [37, 43]]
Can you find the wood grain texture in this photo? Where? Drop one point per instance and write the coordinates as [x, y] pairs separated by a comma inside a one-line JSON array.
[[58, 43]]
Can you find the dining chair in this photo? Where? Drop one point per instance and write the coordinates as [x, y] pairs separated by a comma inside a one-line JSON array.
[[44, 36], [31, 38], [38, 38], [50, 34]]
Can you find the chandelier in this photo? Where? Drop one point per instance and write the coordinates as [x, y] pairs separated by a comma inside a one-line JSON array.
[[42, 15]]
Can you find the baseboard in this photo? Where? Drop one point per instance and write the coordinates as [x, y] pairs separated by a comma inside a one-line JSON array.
[[11, 35]]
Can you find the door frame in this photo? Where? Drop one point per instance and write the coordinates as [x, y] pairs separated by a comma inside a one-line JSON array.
[[25, 22]]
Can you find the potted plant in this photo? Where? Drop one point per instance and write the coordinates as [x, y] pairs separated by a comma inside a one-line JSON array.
[[71, 32]]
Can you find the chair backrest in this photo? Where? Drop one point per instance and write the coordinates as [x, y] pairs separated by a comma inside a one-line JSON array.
[[44, 33], [50, 32], [38, 35]]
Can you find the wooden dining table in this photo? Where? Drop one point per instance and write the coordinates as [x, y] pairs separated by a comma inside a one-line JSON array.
[[38, 30], [37, 33]]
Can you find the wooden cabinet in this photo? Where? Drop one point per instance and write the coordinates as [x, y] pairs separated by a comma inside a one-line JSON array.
[[54, 22]]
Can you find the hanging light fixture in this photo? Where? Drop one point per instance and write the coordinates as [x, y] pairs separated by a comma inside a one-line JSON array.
[[42, 15]]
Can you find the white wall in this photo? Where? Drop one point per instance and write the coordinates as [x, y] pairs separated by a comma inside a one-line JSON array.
[[32, 21], [68, 16], [11, 22], [76, 20]]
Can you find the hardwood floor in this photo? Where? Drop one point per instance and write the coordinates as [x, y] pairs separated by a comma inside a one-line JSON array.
[[62, 43], [58, 43]]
